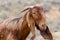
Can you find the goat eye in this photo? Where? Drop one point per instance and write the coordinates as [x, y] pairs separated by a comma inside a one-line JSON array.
[[34, 13]]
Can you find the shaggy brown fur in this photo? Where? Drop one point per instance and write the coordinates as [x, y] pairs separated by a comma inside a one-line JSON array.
[[19, 28]]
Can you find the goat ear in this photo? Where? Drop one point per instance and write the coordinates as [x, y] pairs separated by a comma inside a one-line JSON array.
[[29, 19], [31, 24]]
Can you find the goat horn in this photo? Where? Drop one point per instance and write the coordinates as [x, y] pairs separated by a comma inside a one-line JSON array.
[[25, 9]]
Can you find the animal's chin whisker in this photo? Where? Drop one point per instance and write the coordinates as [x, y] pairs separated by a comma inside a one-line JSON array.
[[37, 26]]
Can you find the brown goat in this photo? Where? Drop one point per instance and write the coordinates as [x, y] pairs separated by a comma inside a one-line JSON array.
[[19, 28], [38, 15]]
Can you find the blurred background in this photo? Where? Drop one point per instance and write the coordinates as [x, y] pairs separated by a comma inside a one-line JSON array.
[[12, 8]]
